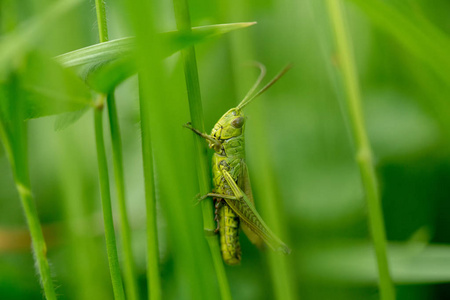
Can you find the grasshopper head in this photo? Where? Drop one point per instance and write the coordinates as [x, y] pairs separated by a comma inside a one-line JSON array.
[[230, 125]]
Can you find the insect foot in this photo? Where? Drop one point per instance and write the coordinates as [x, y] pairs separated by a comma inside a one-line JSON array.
[[199, 198]]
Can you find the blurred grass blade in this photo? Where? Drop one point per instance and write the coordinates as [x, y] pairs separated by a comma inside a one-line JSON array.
[[417, 35], [150, 90], [110, 236], [260, 158], [363, 149], [175, 41], [15, 45], [98, 53], [183, 21], [111, 245], [13, 134], [179, 40], [107, 64], [125, 232]]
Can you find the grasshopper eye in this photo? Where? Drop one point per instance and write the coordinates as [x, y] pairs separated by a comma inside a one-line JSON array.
[[238, 122]]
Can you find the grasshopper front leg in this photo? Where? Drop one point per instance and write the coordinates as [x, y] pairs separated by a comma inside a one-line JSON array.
[[213, 143]]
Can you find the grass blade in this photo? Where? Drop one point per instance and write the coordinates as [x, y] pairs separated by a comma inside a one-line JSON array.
[[149, 85], [110, 235], [174, 41], [130, 279], [195, 106], [260, 158], [125, 231], [363, 149], [14, 138], [107, 64]]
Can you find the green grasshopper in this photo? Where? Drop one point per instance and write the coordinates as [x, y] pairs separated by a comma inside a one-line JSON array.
[[234, 204]]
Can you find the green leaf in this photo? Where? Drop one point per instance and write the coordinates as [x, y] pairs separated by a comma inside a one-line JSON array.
[[98, 53], [103, 78], [51, 89], [108, 64], [64, 120]]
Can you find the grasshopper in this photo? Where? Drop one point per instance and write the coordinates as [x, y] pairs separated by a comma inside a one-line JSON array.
[[232, 194]]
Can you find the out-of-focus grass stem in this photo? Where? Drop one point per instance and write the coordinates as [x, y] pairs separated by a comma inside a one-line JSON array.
[[182, 18], [19, 163], [110, 236], [125, 232], [260, 158], [363, 148], [100, 8]]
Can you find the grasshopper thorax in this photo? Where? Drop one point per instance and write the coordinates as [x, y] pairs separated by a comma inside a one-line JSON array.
[[230, 125]]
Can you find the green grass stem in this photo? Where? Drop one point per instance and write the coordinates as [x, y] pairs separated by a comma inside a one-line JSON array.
[[142, 11], [102, 25], [15, 144], [82, 257], [153, 277], [147, 61], [195, 107], [125, 232], [259, 158], [39, 246], [110, 236], [363, 148]]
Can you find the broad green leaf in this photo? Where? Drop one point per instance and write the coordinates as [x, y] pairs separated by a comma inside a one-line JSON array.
[[107, 64], [51, 89], [103, 78], [64, 120]]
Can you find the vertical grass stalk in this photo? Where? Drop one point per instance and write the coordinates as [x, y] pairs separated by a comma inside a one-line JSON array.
[[183, 20], [82, 252], [39, 246], [142, 12], [131, 288], [125, 232], [363, 149], [153, 279], [15, 144], [259, 158], [110, 236]]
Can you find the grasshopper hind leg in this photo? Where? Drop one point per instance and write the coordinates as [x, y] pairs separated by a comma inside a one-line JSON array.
[[218, 205]]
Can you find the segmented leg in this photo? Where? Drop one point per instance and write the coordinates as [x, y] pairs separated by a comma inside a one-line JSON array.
[[218, 204]]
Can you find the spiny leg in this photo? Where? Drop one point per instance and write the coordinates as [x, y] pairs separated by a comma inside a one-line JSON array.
[[212, 141], [218, 205], [215, 195]]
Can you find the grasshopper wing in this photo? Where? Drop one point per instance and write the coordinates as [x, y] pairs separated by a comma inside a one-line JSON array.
[[244, 184], [246, 211]]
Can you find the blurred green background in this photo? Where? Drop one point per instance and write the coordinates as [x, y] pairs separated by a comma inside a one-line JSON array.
[[401, 50]]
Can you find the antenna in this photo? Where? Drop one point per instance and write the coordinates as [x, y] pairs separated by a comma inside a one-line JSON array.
[[248, 98]]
